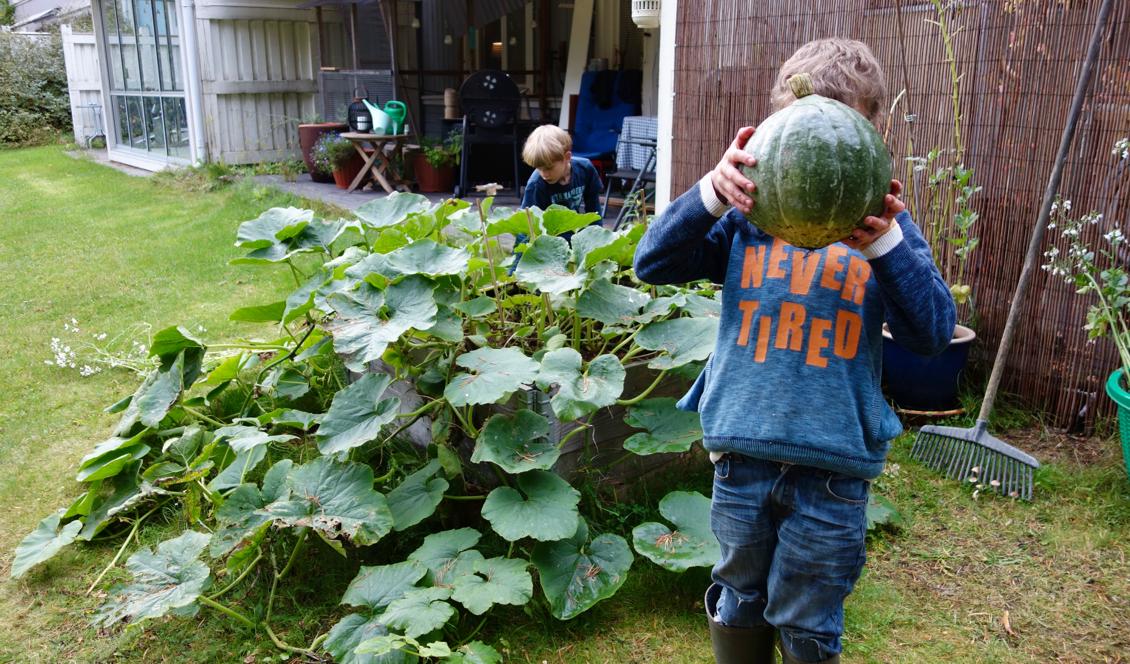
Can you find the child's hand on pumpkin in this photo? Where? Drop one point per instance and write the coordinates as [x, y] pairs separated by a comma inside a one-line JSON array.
[[874, 227], [729, 183]]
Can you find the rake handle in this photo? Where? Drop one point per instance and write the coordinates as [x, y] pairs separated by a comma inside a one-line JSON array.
[[1038, 233]]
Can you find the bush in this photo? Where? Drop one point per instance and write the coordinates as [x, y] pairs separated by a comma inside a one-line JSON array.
[[34, 106]]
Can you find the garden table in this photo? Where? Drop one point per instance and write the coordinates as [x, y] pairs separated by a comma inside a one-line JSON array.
[[378, 151]]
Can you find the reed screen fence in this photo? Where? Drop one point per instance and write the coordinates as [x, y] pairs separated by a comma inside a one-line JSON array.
[[1016, 63]]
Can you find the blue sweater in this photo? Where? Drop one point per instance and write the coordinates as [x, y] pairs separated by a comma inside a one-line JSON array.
[[795, 374], [582, 194]]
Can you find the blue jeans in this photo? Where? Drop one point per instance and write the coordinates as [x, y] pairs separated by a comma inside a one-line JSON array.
[[792, 549]]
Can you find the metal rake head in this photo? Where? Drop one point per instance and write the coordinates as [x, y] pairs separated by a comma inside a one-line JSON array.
[[976, 456]]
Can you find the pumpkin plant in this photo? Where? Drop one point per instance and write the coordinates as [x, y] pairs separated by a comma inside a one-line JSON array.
[[412, 375]]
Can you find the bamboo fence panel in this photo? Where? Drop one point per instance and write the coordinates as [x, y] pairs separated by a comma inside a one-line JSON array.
[[1016, 62]]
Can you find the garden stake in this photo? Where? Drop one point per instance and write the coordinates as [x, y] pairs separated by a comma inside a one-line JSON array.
[[975, 454]]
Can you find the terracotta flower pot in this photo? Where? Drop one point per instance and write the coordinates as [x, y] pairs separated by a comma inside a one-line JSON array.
[[430, 178], [344, 174], [307, 136]]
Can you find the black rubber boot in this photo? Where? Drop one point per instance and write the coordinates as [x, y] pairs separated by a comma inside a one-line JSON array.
[[786, 658], [738, 645]]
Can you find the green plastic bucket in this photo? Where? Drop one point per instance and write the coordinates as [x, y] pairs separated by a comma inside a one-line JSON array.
[[1121, 397]]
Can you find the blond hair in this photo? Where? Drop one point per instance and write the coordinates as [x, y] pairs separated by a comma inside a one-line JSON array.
[[842, 69], [546, 146]]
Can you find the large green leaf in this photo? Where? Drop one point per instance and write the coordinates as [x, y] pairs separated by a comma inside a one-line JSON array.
[[172, 340], [234, 473], [261, 313], [611, 304], [241, 518], [286, 382], [417, 496], [127, 493], [495, 581], [548, 512], [702, 307], [593, 244], [545, 266], [581, 390], [317, 236], [336, 499], [689, 544], [170, 578], [45, 541], [882, 513], [508, 220], [516, 443], [378, 586], [370, 319], [419, 611], [496, 373], [242, 437], [447, 555], [354, 629], [302, 299], [423, 256], [576, 573], [558, 219], [109, 457], [357, 414], [668, 428], [475, 652], [391, 643], [154, 397], [272, 227], [683, 340], [392, 209]]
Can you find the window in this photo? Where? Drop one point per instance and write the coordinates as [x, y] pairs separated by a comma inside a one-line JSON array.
[[146, 82]]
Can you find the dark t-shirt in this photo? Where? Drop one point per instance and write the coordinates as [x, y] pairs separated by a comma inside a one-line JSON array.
[[581, 194]]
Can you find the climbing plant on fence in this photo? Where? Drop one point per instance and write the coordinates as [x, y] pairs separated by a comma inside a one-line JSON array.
[[406, 319]]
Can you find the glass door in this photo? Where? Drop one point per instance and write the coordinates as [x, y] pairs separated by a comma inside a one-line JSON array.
[[146, 82]]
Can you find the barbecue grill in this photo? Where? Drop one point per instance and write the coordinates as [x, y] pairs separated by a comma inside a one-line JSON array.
[[490, 100]]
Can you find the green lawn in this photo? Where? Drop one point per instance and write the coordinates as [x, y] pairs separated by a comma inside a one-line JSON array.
[[85, 242]]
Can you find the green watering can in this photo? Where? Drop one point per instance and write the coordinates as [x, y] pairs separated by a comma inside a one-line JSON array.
[[382, 123], [397, 111]]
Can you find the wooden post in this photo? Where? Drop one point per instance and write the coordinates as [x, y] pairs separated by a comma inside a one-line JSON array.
[[321, 37], [543, 46], [353, 35]]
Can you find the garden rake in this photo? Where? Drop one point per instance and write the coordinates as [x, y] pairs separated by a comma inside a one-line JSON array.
[[974, 453]]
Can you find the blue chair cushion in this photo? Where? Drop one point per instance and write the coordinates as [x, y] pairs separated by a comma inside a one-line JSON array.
[[597, 128]]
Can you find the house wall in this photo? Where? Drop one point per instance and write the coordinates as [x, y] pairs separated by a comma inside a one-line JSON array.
[[258, 68]]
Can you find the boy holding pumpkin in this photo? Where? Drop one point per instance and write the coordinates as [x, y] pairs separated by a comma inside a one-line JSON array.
[[791, 408]]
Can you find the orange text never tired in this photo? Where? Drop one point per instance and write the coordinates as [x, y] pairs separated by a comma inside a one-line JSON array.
[[790, 328]]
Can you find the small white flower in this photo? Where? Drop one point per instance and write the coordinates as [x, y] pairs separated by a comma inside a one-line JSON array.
[[1114, 237], [1067, 205], [74, 322], [100, 337]]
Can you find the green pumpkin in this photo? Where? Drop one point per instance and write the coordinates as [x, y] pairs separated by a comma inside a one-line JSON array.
[[821, 168]]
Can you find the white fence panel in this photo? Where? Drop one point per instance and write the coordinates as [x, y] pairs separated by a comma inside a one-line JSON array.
[[84, 85], [258, 71]]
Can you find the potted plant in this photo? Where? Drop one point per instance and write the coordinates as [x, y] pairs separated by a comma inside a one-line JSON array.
[[308, 133], [943, 206], [1093, 264], [435, 164], [918, 383], [336, 155]]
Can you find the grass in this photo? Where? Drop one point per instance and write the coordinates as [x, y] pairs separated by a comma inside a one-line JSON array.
[[968, 580]]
